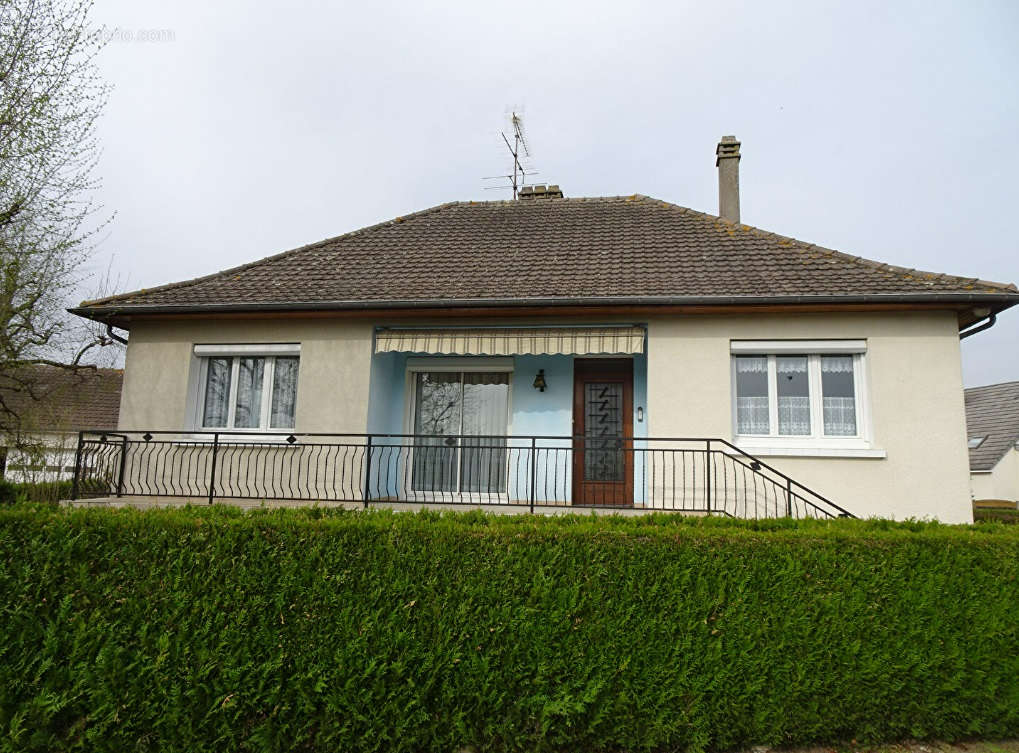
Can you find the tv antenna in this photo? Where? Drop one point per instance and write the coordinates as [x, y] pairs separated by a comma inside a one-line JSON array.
[[518, 178]]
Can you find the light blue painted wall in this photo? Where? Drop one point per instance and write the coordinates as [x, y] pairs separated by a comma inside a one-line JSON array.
[[639, 427], [386, 393], [543, 413]]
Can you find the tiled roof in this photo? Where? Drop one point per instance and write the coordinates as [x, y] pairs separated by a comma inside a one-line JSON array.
[[992, 411], [63, 400], [553, 251]]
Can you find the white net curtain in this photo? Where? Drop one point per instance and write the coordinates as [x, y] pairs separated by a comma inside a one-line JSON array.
[[752, 395], [838, 391], [792, 377], [793, 395]]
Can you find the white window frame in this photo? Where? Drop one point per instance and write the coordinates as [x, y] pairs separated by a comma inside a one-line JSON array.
[[816, 443], [196, 400], [464, 365]]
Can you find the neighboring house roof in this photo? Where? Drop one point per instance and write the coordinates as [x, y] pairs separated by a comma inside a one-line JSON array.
[[604, 251], [992, 412], [62, 399]]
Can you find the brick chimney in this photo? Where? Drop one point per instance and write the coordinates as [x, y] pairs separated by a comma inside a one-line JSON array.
[[727, 163]]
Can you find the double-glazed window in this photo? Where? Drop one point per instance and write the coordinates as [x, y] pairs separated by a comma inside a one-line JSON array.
[[248, 392], [460, 419], [805, 395]]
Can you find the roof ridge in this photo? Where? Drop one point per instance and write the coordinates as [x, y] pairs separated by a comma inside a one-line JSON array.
[[272, 257], [860, 260]]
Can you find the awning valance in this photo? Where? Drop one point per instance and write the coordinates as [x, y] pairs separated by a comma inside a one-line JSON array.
[[493, 341]]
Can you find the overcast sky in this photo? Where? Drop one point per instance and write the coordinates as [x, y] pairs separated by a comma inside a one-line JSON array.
[[883, 129]]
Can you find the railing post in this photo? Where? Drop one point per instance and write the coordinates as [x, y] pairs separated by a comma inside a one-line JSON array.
[[534, 469], [788, 497], [367, 470], [77, 466], [212, 475], [707, 471], [123, 465]]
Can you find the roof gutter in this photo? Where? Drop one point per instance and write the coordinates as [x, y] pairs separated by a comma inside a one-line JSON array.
[[1004, 300], [114, 336], [988, 323]]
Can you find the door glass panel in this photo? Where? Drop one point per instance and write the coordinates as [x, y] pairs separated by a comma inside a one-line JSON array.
[[437, 405], [603, 430], [483, 461], [793, 395]]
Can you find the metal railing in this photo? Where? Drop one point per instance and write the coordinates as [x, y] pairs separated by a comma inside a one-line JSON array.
[[691, 475]]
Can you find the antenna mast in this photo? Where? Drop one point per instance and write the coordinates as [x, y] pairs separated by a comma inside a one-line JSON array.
[[518, 141], [518, 149]]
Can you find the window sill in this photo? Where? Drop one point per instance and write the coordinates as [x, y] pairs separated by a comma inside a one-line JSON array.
[[812, 451], [224, 439]]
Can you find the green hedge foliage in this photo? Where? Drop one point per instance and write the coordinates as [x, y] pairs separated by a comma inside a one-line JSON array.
[[8, 492], [212, 630], [986, 515], [41, 491]]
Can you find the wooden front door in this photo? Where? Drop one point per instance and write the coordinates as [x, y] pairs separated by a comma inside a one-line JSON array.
[[602, 417]]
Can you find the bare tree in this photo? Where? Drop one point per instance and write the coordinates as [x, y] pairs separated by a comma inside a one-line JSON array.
[[50, 98]]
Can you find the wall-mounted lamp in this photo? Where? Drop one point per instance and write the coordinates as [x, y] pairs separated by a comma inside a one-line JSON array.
[[640, 413], [539, 381]]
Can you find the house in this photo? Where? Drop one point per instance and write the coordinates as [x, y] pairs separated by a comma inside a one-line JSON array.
[[49, 406], [992, 426], [554, 352]]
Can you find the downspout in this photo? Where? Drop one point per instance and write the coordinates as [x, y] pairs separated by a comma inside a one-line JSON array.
[[991, 319], [114, 336]]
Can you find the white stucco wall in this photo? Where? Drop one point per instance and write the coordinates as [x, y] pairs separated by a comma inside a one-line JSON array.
[[1002, 482], [332, 381], [914, 380]]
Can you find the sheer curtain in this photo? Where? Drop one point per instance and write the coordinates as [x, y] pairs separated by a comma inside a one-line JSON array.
[[793, 395], [483, 460], [752, 395], [284, 394], [838, 391], [217, 392], [448, 404], [248, 407]]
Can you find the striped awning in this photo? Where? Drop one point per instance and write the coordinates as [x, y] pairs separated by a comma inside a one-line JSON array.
[[494, 341]]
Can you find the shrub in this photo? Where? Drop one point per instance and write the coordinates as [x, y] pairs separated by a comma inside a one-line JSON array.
[[208, 629], [995, 516], [43, 491], [8, 492]]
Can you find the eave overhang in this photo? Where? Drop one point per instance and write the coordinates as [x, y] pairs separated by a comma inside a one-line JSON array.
[[968, 305]]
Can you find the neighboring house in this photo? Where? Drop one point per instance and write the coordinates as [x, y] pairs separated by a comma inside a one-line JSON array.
[[992, 424], [486, 328], [51, 406]]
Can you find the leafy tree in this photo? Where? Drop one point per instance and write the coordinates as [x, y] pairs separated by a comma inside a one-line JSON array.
[[50, 99]]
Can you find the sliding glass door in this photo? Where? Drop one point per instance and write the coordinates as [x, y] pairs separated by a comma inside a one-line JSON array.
[[463, 416]]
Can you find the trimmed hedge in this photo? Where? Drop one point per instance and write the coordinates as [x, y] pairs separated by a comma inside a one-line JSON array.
[[212, 630]]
